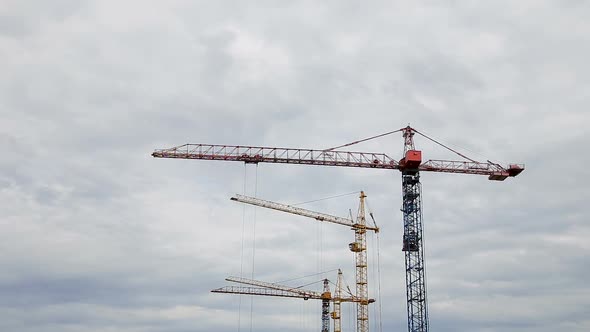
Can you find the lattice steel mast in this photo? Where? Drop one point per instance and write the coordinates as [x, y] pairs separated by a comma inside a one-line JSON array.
[[359, 247], [337, 303], [413, 238]]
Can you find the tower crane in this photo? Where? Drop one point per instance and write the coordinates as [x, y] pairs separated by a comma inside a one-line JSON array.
[[359, 246], [272, 289], [324, 296], [410, 166]]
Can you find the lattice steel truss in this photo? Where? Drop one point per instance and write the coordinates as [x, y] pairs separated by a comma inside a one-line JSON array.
[[414, 253], [359, 247]]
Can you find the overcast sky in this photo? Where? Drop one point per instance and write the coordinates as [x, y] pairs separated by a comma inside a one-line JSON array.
[[97, 236]]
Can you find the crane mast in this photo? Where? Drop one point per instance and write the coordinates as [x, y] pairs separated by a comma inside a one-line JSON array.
[[337, 302], [410, 167], [326, 308], [359, 247], [413, 238]]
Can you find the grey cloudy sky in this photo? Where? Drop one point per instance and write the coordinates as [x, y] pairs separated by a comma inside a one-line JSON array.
[[98, 236]]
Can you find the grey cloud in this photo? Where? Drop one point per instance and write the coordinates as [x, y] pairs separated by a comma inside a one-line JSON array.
[[98, 236]]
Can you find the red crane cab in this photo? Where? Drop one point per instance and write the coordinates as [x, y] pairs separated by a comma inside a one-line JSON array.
[[412, 159]]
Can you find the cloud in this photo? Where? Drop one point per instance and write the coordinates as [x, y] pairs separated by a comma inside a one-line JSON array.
[[99, 236]]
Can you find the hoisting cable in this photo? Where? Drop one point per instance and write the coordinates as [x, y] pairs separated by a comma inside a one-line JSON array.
[[348, 290], [363, 140], [465, 148], [379, 286], [333, 283], [320, 235], [307, 276], [311, 283], [371, 213], [379, 311], [446, 147], [253, 246], [373, 218], [325, 198], [373, 275], [242, 248], [345, 290]]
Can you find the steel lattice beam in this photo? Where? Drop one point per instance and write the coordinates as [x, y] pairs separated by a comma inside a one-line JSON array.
[[251, 154]]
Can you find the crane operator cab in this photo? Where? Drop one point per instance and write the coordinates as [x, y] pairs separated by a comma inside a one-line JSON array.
[[410, 242]]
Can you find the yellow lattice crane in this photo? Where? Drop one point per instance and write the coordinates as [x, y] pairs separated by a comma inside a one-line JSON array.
[[359, 246], [272, 289]]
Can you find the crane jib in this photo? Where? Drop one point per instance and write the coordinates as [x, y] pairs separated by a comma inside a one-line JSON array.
[[249, 154], [302, 212]]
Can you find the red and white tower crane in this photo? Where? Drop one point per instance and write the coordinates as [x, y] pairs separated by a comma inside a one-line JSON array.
[[410, 166]]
